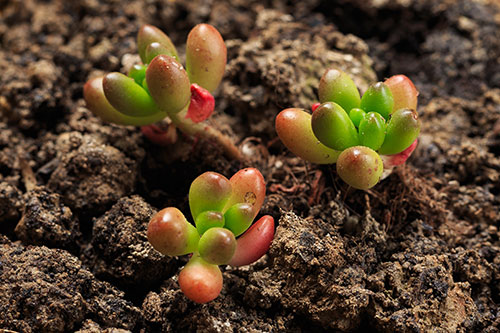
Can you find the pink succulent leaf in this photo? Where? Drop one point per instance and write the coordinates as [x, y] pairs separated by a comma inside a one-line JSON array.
[[391, 161], [202, 104], [254, 243]]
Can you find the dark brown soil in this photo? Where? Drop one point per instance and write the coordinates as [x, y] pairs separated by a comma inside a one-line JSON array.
[[420, 252]]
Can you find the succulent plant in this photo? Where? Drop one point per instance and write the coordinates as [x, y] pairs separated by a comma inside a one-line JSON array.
[[161, 87], [223, 211], [363, 135]]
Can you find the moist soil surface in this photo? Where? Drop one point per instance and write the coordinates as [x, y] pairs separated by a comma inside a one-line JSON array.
[[419, 252]]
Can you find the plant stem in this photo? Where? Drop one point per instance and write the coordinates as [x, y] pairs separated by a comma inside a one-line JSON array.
[[207, 132]]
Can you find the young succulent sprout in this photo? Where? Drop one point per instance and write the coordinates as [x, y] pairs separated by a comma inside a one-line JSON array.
[[161, 87], [200, 281], [222, 210], [295, 131], [383, 122]]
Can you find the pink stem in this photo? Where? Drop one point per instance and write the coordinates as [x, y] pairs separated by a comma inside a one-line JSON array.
[[254, 243], [160, 136]]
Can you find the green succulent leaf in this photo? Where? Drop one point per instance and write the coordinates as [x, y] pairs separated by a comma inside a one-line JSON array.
[[248, 186], [168, 83], [356, 116], [150, 34], [294, 129], [99, 105], [128, 97], [155, 49], [209, 219], [360, 167], [217, 246], [209, 192], [378, 98], [171, 234], [238, 218], [372, 130], [402, 129], [138, 73], [206, 56], [337, 86], [333, 127]]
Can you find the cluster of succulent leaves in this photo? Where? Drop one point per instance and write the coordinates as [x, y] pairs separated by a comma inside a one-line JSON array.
[[160, 86], [353, 130], [222, 210]]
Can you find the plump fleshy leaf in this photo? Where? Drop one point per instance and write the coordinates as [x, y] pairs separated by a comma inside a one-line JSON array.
[[403, 91], [356, 116], [125, 95], [360, 167], [168, 84], [202, 104], [333, 127], [372, 130], [248, 186], [294, 129], [209, 219], [254, 243], [337, 86], [378, 98], [209, 192], [150, 34], [171, 234], [200, 281], [155, 49], [206, 56], [138, 73], [238, 218], [217, 246], [99, 105], [402, 129]]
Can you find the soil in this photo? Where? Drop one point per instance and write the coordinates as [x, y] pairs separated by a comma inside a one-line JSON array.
[[420, 252]]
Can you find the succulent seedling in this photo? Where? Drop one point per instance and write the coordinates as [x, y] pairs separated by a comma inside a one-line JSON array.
[[160, 87], [223, 211], [365, 135]]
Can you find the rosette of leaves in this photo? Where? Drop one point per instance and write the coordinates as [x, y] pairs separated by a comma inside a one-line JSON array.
[[363, 135], [160, 87], [223, 211]]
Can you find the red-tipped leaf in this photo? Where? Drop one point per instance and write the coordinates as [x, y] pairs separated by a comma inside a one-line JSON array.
[[200, 281], [248, 186], [404, 93], [206, 56], [254, 243]]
